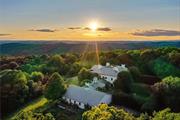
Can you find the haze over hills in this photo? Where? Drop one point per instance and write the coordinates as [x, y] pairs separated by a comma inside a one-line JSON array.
[[53, 47]]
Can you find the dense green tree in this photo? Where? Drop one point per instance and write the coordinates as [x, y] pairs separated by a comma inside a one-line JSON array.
[[108, 57], [56, 64], [55, 88], [104, 112], [167, 93], [124, 81], [122, 98], [56, 60], [35, 89], [37, 76], [29, 68], [84, 74], [148, 54], [136, 74], [163, 69], [13, 65], [166, 50], [174, 58], [12, 77], [150, 105], [13, 88], [124, 59], [166, 114], [74, 69], [34, 63], [70, 58]]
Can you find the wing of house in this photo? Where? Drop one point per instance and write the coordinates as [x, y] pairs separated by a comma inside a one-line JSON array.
[[83, 96], [108, 73]]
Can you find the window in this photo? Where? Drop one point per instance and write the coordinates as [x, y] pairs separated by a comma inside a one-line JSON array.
[[72, 101], [111, 79]]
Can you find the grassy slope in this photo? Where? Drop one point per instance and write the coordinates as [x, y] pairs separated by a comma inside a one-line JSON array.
[[30, 106]]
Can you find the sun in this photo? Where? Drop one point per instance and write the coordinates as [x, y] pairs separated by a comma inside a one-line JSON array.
[[93, 26]]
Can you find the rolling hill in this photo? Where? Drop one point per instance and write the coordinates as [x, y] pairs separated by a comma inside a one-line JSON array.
[[54, 47]]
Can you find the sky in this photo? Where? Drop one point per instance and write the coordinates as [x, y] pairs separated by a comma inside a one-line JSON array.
[[73, 19]]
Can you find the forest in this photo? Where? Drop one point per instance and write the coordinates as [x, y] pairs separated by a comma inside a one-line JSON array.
[[151, 86]]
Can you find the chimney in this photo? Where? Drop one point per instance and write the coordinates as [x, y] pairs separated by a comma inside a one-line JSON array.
[[107, 64]]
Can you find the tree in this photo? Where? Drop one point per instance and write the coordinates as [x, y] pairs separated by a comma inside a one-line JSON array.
[[121, 98], [33, 116], [167, 93], [150, 105], [84, 74], [12, 77], [136, 74], [55, 88], [166, 114], [74, 69], [104, 112], [13, 65], [37, 76], [163, 69], [125, 59], [70, 58], [14, 90], [56, 64], [174, 58], [148, 54], [124, 81], [56, 60]]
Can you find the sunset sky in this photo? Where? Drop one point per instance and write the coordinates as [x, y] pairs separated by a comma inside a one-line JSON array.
[[89, 19]]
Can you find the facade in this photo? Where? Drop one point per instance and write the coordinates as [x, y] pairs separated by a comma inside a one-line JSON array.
[[108, 72], [83, 96]]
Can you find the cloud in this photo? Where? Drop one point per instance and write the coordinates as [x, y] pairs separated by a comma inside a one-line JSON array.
[[4, 34], [43, 30], [104, 29], [100, 29], [157, 32], [74, 28], [86, 28]]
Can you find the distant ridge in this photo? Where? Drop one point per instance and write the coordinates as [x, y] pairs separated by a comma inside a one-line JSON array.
[[54, 47]]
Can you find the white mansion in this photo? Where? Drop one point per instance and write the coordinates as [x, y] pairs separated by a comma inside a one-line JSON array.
[[108, 72], [82, 96], [88, 95]]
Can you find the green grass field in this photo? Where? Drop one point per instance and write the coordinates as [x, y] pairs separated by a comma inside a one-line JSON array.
[[30, 106], [72, 81]]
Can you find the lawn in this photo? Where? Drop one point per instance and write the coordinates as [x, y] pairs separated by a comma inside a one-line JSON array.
[[72, 81], [30, 106], [60, 114]]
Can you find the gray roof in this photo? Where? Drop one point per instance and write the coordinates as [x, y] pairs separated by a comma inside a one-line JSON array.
[[104, 70], [84, 95]]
